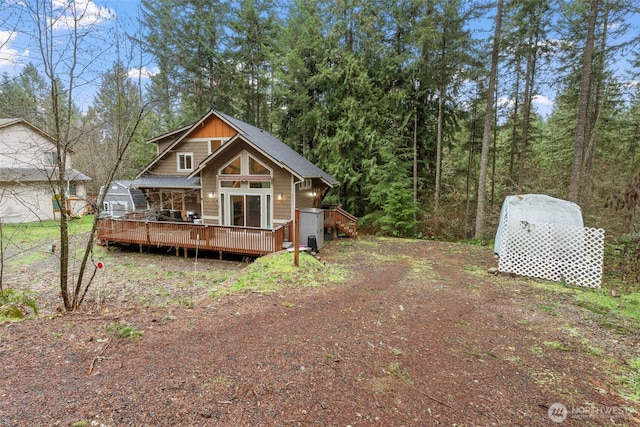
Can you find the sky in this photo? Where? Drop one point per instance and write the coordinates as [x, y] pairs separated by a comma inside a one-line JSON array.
[[106, 22], [109, 21]]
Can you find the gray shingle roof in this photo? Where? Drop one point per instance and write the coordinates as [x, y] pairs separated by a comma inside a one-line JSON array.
[[270, 145], [38, 175], [155, 181], [279, 151]]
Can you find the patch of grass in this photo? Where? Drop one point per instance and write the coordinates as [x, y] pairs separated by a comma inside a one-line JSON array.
[[396, 352], [270, 273], [630, 381], [395, 369], [36, 232], [556, 345], [599, 301], [82, 423], [123, 330], [547, 308], [16, 305], [537, 351], [615, 326]]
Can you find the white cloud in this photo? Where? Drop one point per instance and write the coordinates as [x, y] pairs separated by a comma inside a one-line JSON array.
[[8, 55], [505, 102], [542, 100], [81, 13], [142, 73]]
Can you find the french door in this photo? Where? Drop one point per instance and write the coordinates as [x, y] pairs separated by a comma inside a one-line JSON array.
[[249, 210]]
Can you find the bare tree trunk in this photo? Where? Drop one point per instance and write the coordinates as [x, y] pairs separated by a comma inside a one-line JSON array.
[[583, 107], [415, 162], [488, 121], [599, 95], [514, 127], [526, 111], [436, 198]]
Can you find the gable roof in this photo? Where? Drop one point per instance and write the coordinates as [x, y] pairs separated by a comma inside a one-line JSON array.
[[5, 123], [261, 140], [38, 175], [275, 149]]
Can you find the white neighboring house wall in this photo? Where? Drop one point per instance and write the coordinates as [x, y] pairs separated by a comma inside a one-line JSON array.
[[27, 164]]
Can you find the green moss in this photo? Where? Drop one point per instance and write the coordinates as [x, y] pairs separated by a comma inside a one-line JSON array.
[[270, 273]]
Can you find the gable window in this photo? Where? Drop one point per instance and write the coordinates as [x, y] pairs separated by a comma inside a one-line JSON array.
[[245, 189], [185, 161], [233, 168]]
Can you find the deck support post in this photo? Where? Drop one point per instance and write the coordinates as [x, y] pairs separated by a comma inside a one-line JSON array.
[[296, 233], [140, 248]]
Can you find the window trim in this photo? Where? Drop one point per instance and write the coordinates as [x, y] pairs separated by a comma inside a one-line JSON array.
[[184, 156]]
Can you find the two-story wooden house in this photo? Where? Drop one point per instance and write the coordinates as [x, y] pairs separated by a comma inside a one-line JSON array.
[[221, 175], [28, 167]]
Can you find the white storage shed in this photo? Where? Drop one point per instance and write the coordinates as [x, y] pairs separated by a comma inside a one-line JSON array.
[[536, 208]]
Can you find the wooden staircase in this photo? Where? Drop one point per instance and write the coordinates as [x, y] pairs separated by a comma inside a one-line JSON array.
[[341, 221]]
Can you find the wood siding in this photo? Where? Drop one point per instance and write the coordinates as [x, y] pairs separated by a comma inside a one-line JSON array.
[[305, 198], [281, 183], [215, 128], [169, 164]]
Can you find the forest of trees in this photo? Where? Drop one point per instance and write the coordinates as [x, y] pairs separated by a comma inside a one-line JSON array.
[[424, 110]]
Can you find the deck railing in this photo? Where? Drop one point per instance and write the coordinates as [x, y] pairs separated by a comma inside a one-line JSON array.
[[238, 240], [341, 220]]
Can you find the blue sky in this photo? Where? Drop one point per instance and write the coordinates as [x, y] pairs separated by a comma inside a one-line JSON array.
[[111, 19], [106, 23]]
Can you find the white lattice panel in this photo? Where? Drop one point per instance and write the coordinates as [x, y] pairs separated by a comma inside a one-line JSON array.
[[553, 252]]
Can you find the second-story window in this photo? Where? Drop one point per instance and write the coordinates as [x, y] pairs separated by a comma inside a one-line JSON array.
[[185, 161], [51, 158]]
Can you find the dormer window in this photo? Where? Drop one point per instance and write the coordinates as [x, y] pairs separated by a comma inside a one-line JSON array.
[[185, 162]]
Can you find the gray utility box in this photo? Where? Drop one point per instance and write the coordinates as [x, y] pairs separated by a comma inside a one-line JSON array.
[[311, 225]]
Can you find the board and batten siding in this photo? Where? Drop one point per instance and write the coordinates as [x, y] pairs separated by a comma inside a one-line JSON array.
[[213, 129]]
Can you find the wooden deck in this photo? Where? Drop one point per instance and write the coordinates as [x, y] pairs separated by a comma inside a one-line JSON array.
[[217, 238], [236, 240]]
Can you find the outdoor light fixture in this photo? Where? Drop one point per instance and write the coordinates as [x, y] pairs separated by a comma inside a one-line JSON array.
[[212, 194], [279, 196]]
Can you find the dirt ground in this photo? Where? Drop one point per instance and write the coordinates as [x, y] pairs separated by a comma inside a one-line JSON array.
[[418, 335]]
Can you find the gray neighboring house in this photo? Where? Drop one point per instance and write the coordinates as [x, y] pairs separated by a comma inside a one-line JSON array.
[[121, 199], [28, 166]]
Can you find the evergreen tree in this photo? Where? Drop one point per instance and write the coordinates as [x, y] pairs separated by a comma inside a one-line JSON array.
[[255, 45], [189, 41]]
